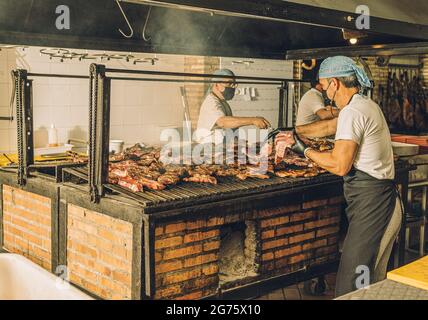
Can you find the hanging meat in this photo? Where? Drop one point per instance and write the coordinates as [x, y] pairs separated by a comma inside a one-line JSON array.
[[407, 94]]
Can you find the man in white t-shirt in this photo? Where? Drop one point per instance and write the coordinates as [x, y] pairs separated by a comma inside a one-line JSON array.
[[363, 156], [312, 107], [216, 115]]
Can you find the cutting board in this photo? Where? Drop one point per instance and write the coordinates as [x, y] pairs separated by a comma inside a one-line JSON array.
[[5, 161], [413, 274], [404, 149]]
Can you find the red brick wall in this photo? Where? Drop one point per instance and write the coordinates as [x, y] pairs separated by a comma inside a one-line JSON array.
[[294, 236], [187, 251], [27, 225], [99, 253], [380, 76], [186, 258]]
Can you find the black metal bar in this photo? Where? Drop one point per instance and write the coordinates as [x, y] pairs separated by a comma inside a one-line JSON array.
[[413, 48], [62, 232], [405, 66], [196, 75], [6, 118], [264, 286], [403, 179], [55, 203], [188, 81], [121, 44], [281, 106], [24, 125], [48, 75], [149, 254], [137, 278], [285, 11], [99, 126], [286, 105], [28, 129]]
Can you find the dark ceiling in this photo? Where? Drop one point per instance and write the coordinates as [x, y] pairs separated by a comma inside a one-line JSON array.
[[95, 23]]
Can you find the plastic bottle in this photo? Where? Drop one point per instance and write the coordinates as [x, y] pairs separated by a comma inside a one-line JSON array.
[[52, 136]]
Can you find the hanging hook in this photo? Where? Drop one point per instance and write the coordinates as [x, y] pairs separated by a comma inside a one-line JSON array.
[[145, 26], [127, 22]]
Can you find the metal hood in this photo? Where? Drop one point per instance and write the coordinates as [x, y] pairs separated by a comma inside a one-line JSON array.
[[239, 28]]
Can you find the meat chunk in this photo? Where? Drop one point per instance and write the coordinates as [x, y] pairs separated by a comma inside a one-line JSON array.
[[151, 184], [130, 184], [168, 179], [283, 140], [201, 178]]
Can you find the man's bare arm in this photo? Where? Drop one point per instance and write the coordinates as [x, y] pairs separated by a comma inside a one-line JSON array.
[[318, 129], [229, 122], [339, 161], [327, 113]]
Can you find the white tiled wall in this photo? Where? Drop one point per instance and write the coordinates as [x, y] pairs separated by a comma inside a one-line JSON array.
[[139, 110], [266, 103]]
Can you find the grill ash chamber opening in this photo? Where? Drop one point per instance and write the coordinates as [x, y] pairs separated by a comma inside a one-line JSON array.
[[238, 252]]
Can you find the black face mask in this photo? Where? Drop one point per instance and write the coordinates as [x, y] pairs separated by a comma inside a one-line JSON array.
[[327, 101], [228, 93]]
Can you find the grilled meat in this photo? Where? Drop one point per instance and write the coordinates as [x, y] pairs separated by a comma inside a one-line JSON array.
[[201, 178], [77, 158], [283, 141], [141, 168], [131, 184], [168, 179], [151, 184]]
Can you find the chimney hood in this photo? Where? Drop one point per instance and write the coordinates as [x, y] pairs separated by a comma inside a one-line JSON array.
[[271, 29]]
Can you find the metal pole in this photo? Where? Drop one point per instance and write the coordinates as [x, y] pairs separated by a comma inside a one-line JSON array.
[[281, 106], [196, 75], [99, 127], [24, 123]]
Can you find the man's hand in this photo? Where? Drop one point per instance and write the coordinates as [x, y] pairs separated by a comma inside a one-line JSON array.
[[231, 122], [299, 146], [339, 161], [261, 122], [283, 140], [285, 137]]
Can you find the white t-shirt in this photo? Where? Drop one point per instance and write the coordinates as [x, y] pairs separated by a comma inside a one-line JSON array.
[[362, 121], [211, 110], [311, 102]]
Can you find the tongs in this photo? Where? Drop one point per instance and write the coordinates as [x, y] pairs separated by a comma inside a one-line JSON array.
[[274, 132]]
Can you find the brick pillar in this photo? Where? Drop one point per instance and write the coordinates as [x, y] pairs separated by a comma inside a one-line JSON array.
[[99, 253], [298, 88], [196, 91], [380, 76], [27, 225]]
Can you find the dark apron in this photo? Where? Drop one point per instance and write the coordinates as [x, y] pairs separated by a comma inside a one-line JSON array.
[[370, 204]]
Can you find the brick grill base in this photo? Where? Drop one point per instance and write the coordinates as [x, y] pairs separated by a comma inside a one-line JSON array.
[[99, 253], [290, 237], [27, 225]]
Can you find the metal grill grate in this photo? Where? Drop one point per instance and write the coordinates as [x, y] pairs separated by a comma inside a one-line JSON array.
[[188, 193]]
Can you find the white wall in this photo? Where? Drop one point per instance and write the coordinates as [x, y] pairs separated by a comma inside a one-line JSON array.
[[266, 103], [139, 110]]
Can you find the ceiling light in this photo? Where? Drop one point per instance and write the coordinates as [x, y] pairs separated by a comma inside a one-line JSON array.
[[353, 41]]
